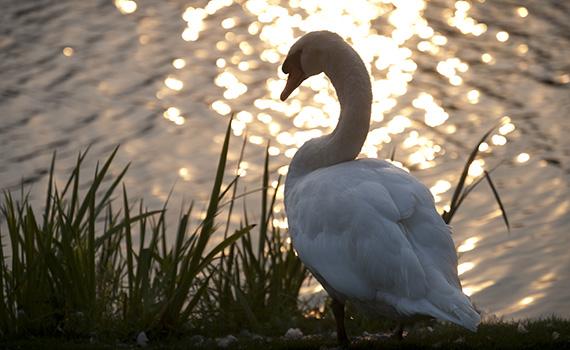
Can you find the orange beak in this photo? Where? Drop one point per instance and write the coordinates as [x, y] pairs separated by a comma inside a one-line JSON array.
[[296, 77]]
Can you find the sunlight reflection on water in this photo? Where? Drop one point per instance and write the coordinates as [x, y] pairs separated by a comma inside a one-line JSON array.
[[387, 51]]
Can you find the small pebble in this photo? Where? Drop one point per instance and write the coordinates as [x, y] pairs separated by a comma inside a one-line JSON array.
[[257, 337], [226, 341], [142, 339], [293, 333], [333, 334], [197, 339], [366, 334], [460, 340]]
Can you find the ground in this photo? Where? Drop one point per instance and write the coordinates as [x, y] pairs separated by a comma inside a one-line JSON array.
[[540, 334]]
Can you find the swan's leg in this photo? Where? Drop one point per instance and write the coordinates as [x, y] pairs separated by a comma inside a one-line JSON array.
[[338, 311], [398, 331]]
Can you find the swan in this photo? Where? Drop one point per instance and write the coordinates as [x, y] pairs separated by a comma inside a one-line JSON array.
[[367, 230]]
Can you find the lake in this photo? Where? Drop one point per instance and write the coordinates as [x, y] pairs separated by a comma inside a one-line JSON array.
[[162, 78]]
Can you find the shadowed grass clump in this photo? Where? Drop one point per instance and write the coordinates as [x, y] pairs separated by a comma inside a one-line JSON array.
[[257, 282], [75, 268]]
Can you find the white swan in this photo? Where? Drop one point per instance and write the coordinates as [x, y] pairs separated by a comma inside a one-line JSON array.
[[367, 230]]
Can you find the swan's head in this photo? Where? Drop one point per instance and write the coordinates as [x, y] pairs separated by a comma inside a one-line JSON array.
[[308, 57]]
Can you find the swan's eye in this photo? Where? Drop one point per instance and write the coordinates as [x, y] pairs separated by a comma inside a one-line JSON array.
[[285, 67], [292, 60]]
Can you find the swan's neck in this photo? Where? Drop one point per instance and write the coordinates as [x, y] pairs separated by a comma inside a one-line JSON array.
[[352, 84]]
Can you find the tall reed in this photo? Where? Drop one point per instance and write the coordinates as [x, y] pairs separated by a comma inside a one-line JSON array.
[[75, 268], [462, 189]]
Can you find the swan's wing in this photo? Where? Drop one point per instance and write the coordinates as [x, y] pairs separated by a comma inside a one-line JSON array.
[[424, 228], [370, 230], [341, 236], [346, 226]]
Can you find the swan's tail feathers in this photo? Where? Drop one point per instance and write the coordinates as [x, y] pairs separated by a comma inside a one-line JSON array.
[[463, 315], [461, 312], [466, 316]]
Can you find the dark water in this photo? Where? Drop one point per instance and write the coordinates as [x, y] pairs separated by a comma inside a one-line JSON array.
[[79, 73]]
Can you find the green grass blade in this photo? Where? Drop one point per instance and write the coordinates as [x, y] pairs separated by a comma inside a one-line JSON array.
[[74, 172], [222, 245], [273, 200], [178, 249], [461, 183], [498, 199], [246, 307], [234, 192], [75, 189], [231, 185], [124, 223], [464, 194], [202, 290], [98, 178], [208, 222], [107, 195], [129, 241], [91, 254], [49, 193], [142, 229]]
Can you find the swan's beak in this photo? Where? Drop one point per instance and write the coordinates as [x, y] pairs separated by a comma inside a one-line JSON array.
[[296, 77]]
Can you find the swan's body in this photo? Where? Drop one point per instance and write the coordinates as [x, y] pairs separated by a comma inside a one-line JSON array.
[[366, 229], [370, 234]]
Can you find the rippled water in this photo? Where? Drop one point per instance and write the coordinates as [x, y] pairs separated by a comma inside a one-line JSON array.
[[161, 78]]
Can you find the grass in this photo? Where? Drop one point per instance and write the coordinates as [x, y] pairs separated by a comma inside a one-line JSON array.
[[257, 286], [551, 333], [75, 270]]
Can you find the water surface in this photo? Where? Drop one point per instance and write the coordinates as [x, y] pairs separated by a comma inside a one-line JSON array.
[[161, 79]]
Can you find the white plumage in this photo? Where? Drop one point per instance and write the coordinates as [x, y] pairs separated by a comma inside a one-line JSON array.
[[366, 229], [370, 234]]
